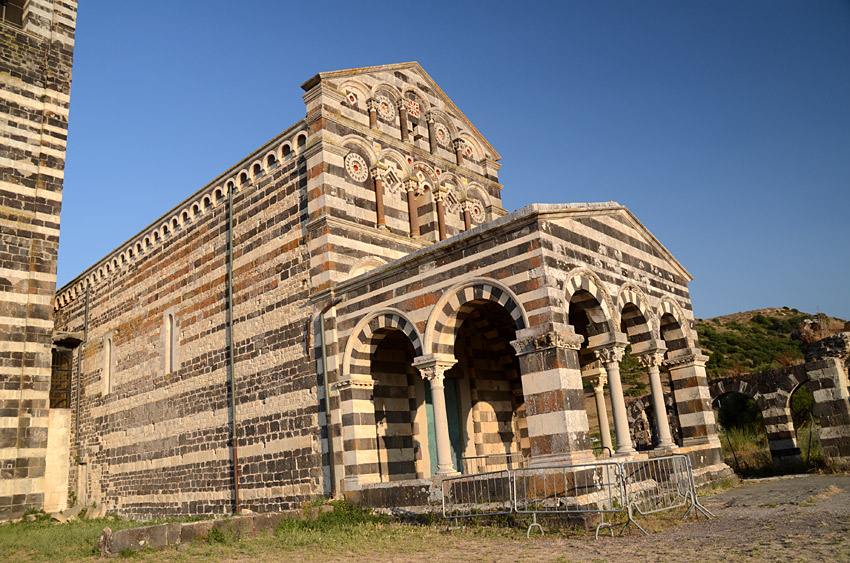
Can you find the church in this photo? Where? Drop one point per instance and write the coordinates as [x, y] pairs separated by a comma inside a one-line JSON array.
[[350, 311]]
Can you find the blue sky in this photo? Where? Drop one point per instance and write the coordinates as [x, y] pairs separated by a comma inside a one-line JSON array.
[[724, 126]]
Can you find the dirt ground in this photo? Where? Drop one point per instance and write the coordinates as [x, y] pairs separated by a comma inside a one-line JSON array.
[[803, 518]]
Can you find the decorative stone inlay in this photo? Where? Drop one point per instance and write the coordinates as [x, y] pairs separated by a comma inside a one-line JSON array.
[[385, 108], [411, 107], [352, 99], [391, 182], [450, 199], [356, 167], [610, 355]]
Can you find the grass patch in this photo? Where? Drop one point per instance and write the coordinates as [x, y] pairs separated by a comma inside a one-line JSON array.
[[43, 540]]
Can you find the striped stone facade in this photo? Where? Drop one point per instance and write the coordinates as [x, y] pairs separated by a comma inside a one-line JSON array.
[[387, 319], [36, 54]]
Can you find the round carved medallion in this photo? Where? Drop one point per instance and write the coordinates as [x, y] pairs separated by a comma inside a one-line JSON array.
[[442, 135], [385, 108], [356, 167]]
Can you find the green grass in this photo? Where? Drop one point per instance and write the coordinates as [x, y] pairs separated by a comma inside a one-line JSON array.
[[43, 540], [752, 458]]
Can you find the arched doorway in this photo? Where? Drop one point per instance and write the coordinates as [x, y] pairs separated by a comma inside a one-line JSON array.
[[486, 389], [742, 434], [398, 396]]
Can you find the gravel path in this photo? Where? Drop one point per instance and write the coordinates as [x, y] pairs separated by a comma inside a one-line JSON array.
[[803, 518]]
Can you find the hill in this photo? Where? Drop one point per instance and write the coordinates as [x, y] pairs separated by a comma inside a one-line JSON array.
[[762, 339]]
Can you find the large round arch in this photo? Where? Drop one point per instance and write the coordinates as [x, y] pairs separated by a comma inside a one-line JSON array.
[[442, 326], [361, 343]]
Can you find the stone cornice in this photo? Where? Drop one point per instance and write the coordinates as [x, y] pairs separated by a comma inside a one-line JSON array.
[[90, 275], [537, 339], [355, 383], [686, 360]]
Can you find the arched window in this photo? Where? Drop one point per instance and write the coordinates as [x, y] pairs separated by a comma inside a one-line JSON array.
[[287, 151], [302, 142], [258, 170], [107, 365]]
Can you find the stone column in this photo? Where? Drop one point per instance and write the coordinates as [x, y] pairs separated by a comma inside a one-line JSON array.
[[598, 381], [439, 194], [359, 433], [377, 173], [467, 218], [373, 104], [693, 397], [412, 212], [433, 368], [652, 361], [554, 394], [457, 144], [610, 357], [825, 367], [401, 104], [432, 136]]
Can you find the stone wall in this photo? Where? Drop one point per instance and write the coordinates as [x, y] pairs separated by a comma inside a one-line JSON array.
[[156, 439], [35, 79]]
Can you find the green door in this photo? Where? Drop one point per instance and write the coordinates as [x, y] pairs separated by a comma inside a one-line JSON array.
[[453, 415]]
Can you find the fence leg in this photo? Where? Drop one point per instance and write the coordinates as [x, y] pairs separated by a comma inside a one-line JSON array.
[[632, 520], [533, 524], [694, 503], [604, 524]]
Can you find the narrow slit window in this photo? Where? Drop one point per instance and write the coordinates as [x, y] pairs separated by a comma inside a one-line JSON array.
[[107, 365], [169, 343]]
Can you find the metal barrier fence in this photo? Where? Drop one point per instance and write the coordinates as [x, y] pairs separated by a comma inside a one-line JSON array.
[[490, 462], [569, 489], [642, 486], [481, 494], [658, 484]]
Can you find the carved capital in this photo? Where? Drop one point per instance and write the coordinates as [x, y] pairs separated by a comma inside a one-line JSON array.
[[546, 340], [439, 194], [373, 104], [411, 185], [433, 368], [610, 354], [378, 171], [599, 382], [652, 359], [457, 144], [429, 117], [401, 104]]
